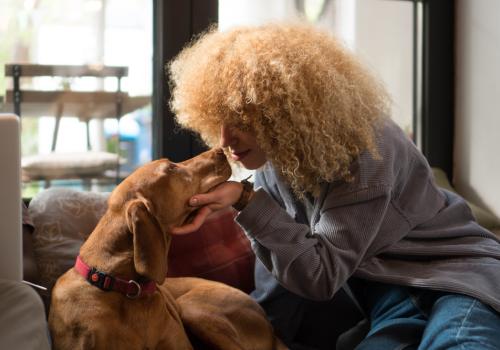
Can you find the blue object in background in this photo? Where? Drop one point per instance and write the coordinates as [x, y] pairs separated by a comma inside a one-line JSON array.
[[135, 138]]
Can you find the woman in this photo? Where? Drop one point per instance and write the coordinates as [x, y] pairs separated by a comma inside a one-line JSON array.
[[342, 197]]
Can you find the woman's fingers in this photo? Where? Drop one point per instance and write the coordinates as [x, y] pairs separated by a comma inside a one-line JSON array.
[[221, 196], [203, 199], [194, 225]]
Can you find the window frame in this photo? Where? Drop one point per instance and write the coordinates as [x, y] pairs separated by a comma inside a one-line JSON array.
[[438, 81], [175, 24]]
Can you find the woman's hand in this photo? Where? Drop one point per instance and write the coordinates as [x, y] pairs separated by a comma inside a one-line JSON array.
[[220, 197]]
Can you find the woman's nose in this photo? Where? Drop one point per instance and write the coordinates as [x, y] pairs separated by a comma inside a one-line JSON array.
[[226, 137]]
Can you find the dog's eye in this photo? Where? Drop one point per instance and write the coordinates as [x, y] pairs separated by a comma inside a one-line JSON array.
[[165, 168], [172, 167]]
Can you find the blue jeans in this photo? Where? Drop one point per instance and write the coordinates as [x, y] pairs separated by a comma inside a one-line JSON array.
[[411, 318]]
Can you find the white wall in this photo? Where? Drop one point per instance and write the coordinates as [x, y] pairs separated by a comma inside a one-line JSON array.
[[252, 12], [384, 40], [477, 106]]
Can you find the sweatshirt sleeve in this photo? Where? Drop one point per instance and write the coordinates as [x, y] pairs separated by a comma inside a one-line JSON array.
[[315, 263]]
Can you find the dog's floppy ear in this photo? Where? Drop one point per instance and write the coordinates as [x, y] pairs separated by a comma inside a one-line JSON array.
[[150, 244]]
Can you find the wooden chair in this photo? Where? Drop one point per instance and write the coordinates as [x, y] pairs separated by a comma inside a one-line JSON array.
[[85, 105]]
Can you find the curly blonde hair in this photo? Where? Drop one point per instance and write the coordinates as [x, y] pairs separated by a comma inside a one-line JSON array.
[[312, 105]]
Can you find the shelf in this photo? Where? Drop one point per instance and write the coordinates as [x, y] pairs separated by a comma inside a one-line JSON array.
[[82, 104]]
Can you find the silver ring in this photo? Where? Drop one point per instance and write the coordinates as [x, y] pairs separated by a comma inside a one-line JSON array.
[[138, 293]]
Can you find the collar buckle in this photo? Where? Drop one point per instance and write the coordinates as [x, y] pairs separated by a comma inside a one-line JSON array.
[[100, 279]]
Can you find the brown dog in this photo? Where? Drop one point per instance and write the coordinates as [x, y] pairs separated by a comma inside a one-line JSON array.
[[117, 297]]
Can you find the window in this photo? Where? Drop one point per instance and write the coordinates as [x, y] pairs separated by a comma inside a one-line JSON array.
[[80, 33]]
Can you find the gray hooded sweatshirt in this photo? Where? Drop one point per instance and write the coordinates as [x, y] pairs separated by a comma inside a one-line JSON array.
[[392, 224]]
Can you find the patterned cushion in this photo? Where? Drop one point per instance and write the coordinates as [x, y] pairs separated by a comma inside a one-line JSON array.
[[218, 251], [63, 219]]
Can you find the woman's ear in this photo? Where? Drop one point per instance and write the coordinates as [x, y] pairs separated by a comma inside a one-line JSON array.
[[150, 244]]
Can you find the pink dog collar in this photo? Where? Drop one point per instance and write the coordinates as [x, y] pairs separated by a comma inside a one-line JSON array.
[[105, 282]]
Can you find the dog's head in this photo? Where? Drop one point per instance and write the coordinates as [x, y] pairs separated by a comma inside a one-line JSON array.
[[155, 197]]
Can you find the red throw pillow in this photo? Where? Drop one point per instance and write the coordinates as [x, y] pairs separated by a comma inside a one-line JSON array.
[[218, 251]]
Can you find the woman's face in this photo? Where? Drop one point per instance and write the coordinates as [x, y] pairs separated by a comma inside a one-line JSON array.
[[243, 147]]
